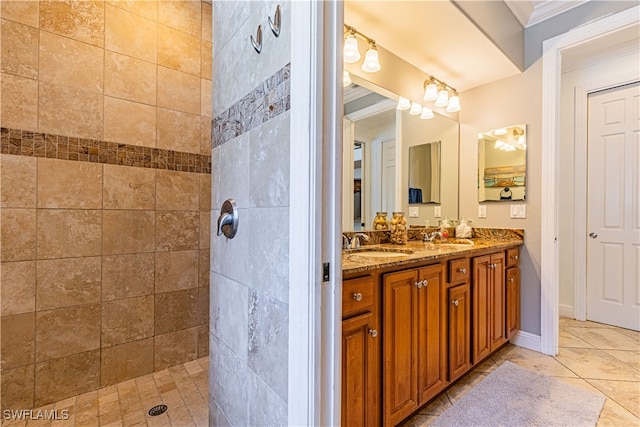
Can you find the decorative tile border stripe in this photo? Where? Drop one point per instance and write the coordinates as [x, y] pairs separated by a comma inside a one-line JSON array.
[[268, 100], [34, 144]]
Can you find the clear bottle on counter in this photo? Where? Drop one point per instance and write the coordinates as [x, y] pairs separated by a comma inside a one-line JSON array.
[[380, 221], [398, 229]]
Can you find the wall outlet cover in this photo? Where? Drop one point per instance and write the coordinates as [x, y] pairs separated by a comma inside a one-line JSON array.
[[482, 211], [437, 211], [414, 211]]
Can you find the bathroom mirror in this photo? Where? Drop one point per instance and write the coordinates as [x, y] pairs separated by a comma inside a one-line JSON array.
[[502, 164], [424, 173], [380, 143]]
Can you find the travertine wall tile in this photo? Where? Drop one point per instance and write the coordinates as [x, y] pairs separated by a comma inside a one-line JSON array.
[[178, 50], [176, 270], [205, 192], [130, 78], [19, 49], [178, 131], [17, 386], [174, 348], [79, 20], [206, 22], [67, 282], [128, 232], [205, 136], [71, 63], [25, 12], [69, 233], [63, 184], [147, 9], [126, 361], [178, 91], [129, 188], [229, 315], [205, 229], [176, 311], [184, 16], [206, 71], [18, 181], [68, 111], [177, 190], [58, 379], [129, 122], [204, 265], [203, 306], [19, 102], [58, 334], [130, 34], [127, 276], [177, 230], [267, 408], [205, 90], [18, 234], [18, 340], [126, 320], [18, 281]]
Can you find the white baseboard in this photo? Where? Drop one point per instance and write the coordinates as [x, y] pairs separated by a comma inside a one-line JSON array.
[[567, 311], [527, 340]]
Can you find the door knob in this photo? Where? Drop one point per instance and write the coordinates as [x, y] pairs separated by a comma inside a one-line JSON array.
[[228, 219], [593, 235], [455, 302], [373, 333], [357, 296]]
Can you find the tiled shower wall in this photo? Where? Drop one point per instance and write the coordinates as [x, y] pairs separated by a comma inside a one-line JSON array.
[[105, 192], [249, 357]]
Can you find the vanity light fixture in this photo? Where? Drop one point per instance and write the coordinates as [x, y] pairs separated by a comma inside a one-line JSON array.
[[427, 113], [443, 98], [403, 103], [346, 78], [351, 53], [443, 94], [501, 131], [454, 103], [430, 89], [415, 109]]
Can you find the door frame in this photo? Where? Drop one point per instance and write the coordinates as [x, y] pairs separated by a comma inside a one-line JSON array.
[[552, 67]]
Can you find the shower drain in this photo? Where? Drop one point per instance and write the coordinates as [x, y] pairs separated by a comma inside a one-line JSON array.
[[158, 410]]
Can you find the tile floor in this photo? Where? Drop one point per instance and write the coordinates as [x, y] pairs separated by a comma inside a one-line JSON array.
[[598, 357]]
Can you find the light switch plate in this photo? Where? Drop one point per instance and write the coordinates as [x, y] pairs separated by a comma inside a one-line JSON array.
[[519, 211], [437, 211], [414, 211], [482, 211]]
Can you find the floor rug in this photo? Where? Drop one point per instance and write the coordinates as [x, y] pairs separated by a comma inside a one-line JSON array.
[[515, 396]]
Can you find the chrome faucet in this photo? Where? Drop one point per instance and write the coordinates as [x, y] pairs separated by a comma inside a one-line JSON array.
[[355, 240], [428, 237]]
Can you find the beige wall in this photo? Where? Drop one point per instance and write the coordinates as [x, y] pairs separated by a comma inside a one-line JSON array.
[[105, 193]]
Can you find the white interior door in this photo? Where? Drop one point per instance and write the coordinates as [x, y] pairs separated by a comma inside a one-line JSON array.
[[388, 176], [613, 217]]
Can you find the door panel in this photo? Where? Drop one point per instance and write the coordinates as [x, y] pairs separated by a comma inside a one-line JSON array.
[[613, 223]]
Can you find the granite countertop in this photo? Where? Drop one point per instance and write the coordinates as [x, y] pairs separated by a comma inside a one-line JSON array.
[[356, 260]]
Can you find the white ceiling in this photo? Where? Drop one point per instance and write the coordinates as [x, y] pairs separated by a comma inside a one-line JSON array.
[[437, 38]]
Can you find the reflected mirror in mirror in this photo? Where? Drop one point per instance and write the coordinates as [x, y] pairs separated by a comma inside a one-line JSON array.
[[502, 164], [424, 173]]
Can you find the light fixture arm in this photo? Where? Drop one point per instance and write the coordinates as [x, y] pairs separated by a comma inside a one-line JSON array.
[[433, 79], [351, 31]]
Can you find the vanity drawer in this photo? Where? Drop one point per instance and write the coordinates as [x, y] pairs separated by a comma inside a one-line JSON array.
[[513, 257], [459, 270], [357, 295]]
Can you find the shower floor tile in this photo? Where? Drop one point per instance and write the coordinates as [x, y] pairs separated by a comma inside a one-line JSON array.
[[182, 388]]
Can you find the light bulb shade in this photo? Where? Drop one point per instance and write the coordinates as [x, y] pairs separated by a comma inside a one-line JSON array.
[[346, 78], [415, 109], [443, 98], [371, 63], [430, 92], [427, 113], [403, 104], [501, 131], [454, 104], [351, 52]]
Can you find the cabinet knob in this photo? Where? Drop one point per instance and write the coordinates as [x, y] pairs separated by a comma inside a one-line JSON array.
[[373, 333], [462, 270], [515, 257], [425, 282], [357, 296], [455, 302], [511, 279]]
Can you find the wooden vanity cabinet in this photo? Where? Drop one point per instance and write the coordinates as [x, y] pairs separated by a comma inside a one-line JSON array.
[[512, 281], [414, 340], [489, 304], [360, 353], [458, 303]]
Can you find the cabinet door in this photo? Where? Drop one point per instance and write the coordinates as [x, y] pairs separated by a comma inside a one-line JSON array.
[[400, 336], [431, 334], [481, 307], [498, 301], [513, 301], [459, 310], [360, 371]]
